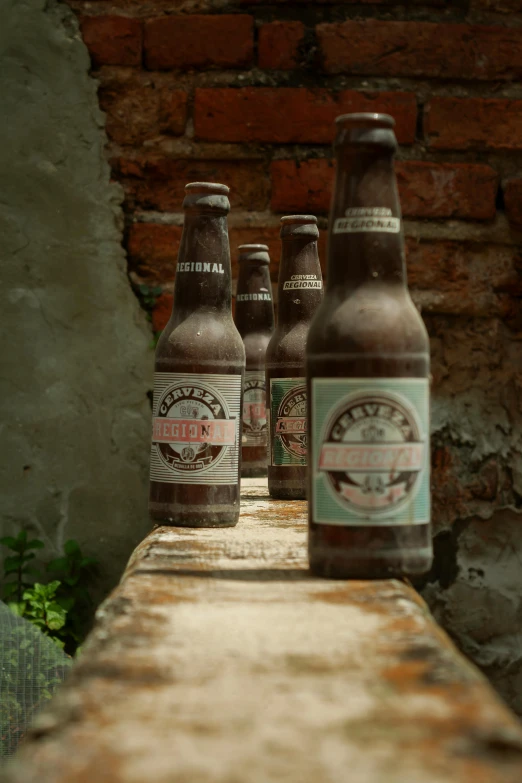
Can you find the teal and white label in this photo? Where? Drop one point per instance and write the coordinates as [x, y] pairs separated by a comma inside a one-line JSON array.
[[370, 457], [254, 410], [288, 417]]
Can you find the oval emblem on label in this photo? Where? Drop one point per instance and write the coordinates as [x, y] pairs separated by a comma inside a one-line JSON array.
[[291, 422], [373, 452], [192, 429]]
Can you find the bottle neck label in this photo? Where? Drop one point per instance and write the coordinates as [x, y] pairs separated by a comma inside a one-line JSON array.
[[301, 282], [370, 451], [261, 297], [288, 416], [357, 225], [195, 428], [254, 409], [200, 266]]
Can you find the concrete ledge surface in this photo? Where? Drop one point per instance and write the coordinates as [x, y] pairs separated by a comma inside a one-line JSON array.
[[219, 659]]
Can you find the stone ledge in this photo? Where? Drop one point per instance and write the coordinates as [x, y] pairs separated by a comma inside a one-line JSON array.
[[218, 658]]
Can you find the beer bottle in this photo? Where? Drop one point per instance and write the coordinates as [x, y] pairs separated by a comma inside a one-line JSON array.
[[200, 360], [367, 370], [255, 322], [299, 293]]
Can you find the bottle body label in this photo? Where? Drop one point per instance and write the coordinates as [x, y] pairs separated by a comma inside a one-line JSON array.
[[195, 428], [370, 451], [288, 414], [254, 409]]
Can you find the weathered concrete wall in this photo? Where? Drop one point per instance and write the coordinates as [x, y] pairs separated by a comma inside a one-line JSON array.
[[475, 590], [76, 355]]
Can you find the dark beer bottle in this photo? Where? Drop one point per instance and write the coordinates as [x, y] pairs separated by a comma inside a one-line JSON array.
[[200, 360], [299, 293], [367, 370], [255, 322]]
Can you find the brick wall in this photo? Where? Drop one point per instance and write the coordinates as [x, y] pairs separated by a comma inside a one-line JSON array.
[[246, 92]]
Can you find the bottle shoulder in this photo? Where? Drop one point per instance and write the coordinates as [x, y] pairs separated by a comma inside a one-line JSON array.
[[255, 348], [202, 336], [288, 344], [369, 320]]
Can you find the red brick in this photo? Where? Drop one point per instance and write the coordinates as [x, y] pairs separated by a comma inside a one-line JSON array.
[[137, 112], [302, 187], [197, 41], [513, 201], [421, 49], [500, 6], [161, 311], [153, 250], [112, 40], [292, 114], [459, 190], [464, 278], [355, 2], [447, 190], [278, 45], [474, 123], [158, 183]]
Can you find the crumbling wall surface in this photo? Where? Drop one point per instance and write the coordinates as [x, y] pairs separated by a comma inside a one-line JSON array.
[[76, 364], [475, 590]]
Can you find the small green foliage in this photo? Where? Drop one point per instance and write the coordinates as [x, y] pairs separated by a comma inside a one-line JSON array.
[[155, 338], [17, 564], [62, 608], [148, 295]]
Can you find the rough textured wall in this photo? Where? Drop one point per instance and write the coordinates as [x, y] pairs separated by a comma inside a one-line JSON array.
[[246, 93], [76, 356]]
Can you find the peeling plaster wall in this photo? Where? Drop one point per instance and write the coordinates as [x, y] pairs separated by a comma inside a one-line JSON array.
[[475, 589], [76, 365]]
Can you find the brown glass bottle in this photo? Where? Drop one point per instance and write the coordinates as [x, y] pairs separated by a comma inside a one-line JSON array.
[[299, 293], [367, 372], [200, 360], [255, 322]]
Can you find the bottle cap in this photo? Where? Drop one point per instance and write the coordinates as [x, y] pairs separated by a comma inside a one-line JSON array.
[[366, 129], [254, 253], [207, 197], [299, 225]]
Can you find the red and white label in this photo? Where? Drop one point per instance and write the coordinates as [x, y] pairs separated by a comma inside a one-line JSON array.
[[216, 433], [397, 457]]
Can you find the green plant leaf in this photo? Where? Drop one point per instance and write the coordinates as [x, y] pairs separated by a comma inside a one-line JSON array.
[[9, 589], [56, 616], [8, 541], [52, 587], [17, 607], [12, 563], [35, 544], [66, 602], [72, 547], [58, 564], [87, 562], [20, 541]]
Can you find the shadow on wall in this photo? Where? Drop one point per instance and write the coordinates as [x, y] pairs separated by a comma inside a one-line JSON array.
[[74, 461]]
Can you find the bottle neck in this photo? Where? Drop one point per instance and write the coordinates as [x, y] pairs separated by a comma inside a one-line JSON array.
[[203, 271], [300, 286], [254, 301], [365, 241]]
